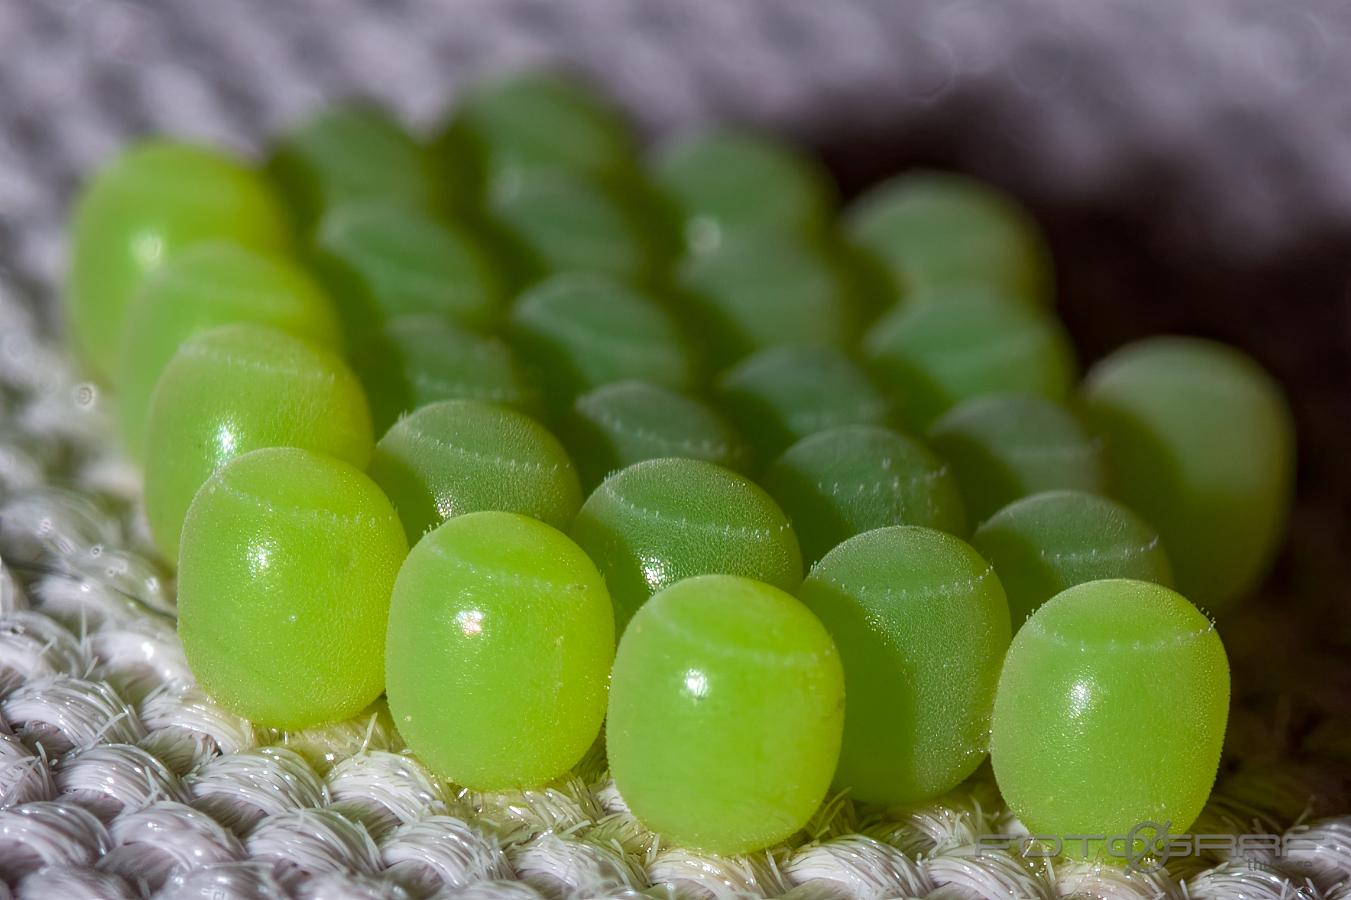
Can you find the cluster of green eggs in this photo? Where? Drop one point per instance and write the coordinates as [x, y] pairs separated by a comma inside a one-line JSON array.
[[779, 499]]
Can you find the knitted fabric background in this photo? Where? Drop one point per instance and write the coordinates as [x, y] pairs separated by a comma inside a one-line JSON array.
[[1191, 162]]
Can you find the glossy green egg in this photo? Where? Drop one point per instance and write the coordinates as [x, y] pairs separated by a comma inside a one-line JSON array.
[[381, 261], [922, 626], [1110, 712], [238, 388], [841, 482], [350, 154], [498, 652], [581, 331], [656, 522], [207, 285], [726, 706], [537, 121], [141, 210], [935, 231], [1042, 544], [556, 222], [935, 355], [417, 360], [288, 561], [762, 290], [723, 182], [626, 422], [461, 456], [781, 395], [1200, 442], [1005, 446]]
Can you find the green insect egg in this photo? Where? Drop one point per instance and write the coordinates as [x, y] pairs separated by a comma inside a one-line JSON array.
[[417, 360], [658, 521], [723, 182], [935, 355], [726, 705], [210, 284], [1200, 442], [838, 483], [461, 456], [765, 290], [498, 651], [922, 626], [287, 565], [1110, 712], [536, 121], [141, 210], [555, 222], [1042, 544], [781, 395], [381, 261], [1005, 446], [935, 231], [580, 331], [238, 388], [350, 154], [619, 424]]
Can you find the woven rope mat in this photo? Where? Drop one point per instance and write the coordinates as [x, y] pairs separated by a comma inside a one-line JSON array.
[[118, 778]]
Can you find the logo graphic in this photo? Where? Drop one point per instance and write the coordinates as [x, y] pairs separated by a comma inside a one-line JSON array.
[[1147, 847]]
